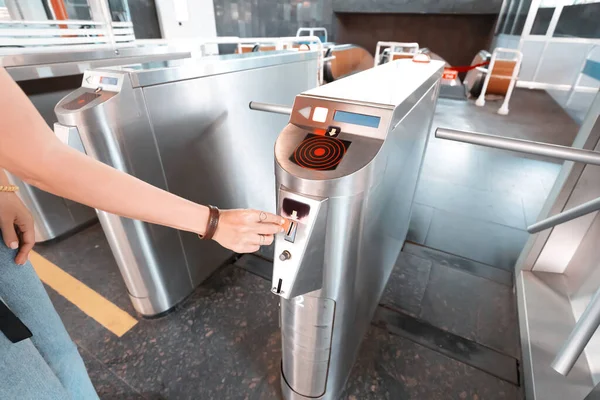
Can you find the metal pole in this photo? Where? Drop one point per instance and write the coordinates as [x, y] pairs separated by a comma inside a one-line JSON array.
[[522, 146], [272, 108], [575, 212], [579, 337]]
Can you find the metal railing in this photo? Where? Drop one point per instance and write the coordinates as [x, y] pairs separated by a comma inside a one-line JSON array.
[[589, 322]]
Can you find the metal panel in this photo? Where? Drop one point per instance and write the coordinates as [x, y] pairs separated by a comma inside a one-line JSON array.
[[370, 197], [545, 321], [203, 144]]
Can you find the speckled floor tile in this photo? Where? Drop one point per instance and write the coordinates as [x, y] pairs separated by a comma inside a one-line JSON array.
[[107, 385], [392, 368], [407, 284], [472, 307]]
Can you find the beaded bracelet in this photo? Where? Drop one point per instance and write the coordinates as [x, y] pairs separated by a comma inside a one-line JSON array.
[[9, 188]]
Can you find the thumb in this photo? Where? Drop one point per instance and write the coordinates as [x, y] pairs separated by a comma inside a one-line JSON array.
[[9, 235]]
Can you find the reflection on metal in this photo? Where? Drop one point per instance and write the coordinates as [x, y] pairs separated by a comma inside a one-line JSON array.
[[580, 336], [203, 144], [522, 146], [566, 216], [346, 175], [272, 108]]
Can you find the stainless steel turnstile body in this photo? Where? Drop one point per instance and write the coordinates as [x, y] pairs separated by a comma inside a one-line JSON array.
[[185, 126], [347, 167], [46, 78]]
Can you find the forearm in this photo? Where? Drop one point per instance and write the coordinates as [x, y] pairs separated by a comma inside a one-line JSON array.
[[30, 150]]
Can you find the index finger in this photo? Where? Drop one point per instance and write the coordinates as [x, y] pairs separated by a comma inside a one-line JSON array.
[[269, 218]]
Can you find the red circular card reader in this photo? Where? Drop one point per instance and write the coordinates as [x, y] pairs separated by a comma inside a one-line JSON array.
[[320, 153]]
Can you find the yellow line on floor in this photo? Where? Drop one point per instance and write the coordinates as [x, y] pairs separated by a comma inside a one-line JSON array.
[[90, 302]]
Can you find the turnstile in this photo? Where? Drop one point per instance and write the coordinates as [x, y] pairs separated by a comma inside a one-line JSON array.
[[347, 167], [46, 78], [184, 126]]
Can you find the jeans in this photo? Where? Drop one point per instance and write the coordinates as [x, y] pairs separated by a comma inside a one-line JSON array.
[[47, 366]]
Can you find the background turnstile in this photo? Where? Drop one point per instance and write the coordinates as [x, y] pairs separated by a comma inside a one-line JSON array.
[[46, 78], [185, 126], [347, 167]]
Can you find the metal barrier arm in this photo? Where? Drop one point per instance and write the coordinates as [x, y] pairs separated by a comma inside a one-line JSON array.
[[522, 146], [579, 337], [590, 320], [272, 108], [566, 216]]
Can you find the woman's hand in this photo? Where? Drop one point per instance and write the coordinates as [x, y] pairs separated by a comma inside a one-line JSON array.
[[16, 225], [244, 231]]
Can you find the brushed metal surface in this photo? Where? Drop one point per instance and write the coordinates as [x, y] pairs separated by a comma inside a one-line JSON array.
[[25, 67], [196, 138], [370, 197], [307, 325]]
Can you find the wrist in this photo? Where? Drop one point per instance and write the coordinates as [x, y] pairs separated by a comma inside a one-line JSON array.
[[212, 223], [202, 220]]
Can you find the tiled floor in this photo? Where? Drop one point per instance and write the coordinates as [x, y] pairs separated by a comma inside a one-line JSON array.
[[476, 202], [223, 342]]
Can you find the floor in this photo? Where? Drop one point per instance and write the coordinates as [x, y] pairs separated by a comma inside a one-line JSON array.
[[427, 340], [476, 202], [446, 327]]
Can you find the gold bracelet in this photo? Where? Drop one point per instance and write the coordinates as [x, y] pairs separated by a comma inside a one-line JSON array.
[[9, 188]]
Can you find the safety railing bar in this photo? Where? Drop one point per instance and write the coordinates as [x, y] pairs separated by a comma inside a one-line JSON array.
[[272, 108], [519, 145], [566, 216], [579, 337]]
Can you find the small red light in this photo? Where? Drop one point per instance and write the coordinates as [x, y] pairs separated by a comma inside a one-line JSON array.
[[320, 132], [319, 152]]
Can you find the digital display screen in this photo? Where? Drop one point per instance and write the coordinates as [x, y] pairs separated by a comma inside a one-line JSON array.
[[107, 80], [357, 119]]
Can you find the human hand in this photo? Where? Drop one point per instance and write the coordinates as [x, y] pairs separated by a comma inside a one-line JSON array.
[[16, 225], [244, 231]]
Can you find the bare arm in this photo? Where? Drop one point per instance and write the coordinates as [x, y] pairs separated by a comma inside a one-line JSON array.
[[30, 150]]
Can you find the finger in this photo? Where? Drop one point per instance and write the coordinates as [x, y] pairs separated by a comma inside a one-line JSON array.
[[10, 235], [263, 240], [269, 218], [27, 241], [267, 229]]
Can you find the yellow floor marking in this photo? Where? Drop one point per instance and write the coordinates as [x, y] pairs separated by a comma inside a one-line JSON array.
[[90, 302]]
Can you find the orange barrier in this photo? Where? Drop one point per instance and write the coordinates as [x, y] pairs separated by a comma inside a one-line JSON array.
[[348, 60]]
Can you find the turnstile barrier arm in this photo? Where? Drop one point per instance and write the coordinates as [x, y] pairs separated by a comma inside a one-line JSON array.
[[566, 216], [536, 148], [272, 108], [522, 146], [579, 337], [590, 320]]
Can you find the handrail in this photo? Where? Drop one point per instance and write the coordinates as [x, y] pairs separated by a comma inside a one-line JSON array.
[[566, 216], [579, 337], [522, 146], [272, 108]]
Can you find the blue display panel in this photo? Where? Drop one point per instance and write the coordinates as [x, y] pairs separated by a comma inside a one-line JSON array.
[[357, 119], [108, 80]]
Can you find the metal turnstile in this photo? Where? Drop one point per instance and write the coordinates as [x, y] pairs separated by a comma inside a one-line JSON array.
[[347, 167], [46, 78], [184, 126]]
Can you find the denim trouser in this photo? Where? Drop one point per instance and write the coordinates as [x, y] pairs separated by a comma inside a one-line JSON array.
[[47, 366]]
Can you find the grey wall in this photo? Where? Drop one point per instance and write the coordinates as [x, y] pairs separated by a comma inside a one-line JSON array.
[[419, 6], [283, 17], [271, 18], [144, 18]]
